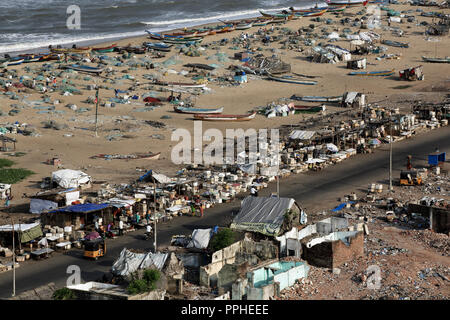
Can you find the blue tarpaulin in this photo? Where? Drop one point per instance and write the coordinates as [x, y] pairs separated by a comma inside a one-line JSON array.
[[341, 206], [148, 173], [80, 208], [436, 158]]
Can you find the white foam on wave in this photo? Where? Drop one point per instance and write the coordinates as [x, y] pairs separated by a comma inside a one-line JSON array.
[[60, 39], [215, 18]]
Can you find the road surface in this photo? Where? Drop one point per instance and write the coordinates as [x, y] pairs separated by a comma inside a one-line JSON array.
[[312, 190]]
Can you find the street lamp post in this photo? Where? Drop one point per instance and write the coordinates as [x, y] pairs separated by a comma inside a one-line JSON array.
[[154, 202]]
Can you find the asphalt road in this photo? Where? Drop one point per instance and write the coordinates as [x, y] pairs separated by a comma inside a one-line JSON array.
[[313, 191]]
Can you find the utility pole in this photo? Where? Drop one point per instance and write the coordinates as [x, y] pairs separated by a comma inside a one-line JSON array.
[[13, 257], [96, 109], [390, 157], [154, 203], [278, 185]]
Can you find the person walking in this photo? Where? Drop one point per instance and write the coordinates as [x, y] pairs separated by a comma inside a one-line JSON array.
[[254, 191], [120, 228]]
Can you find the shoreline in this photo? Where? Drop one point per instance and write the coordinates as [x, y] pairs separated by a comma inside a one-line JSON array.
[[110, 39]]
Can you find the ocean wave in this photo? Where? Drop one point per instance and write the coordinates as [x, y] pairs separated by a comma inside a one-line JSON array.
[[218, 16], [58, 39]]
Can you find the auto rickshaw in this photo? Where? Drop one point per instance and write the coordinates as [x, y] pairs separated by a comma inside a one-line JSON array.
[[410, 178], [94, 248]]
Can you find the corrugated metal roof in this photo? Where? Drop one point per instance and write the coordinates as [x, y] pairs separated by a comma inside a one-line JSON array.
[[302, 135]]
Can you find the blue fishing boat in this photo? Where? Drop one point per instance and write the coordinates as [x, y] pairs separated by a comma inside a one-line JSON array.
[[383, 73], [159, 46]]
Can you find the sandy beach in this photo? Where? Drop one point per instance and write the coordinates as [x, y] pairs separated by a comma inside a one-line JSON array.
[[76, 144]]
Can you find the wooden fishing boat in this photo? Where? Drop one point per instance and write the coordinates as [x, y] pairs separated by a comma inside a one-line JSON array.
[[197, 110], [159, 46], [336, 8], [13, 61], [436, 60], [243, 26], [179, 84], [312, 13], [284, 16], [308, 109], [83, 68], [182, 40], [317, 99], [315, 8], [105, 49], [152, 100], [146, 156], [224, 117], [71, 50], [201, 66], [395, 44], [262, 22], [291, 79], [349, 3], [383, 73]]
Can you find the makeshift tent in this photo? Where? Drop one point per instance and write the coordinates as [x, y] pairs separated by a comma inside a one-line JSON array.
[[82, 208], [263, 215], [153, 176], [128, 262], [68, 178], [332, 147], [26, 232], [200, 238]]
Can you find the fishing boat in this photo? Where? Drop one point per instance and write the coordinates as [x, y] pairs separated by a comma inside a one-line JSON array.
[[197, 110], [310, 13], [243, 26], [291, 79], [308, 109], [159, 46], [71, 50], [146, 156], [284, 16], [105, 49], [179, 84], [182, 40], [317, 98], [12, 61], [82, 68], [225, 117], [261, 22], [395, 44], [383, 73], [336, 8], [348, 3], [436, 60], [314, 8]]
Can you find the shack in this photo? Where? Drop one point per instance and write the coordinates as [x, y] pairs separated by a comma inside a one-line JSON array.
[[52, 199], [268, 215], [22, 233], [79, 215]]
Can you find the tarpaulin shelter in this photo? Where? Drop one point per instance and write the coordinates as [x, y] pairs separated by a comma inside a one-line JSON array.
[[22, 232], [78, 214], [266, 215], [301, 135], [152, 176], [200, 238], [129, 262], [68, 178]]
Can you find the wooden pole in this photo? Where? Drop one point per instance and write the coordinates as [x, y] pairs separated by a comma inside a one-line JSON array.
[[96, 110]]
